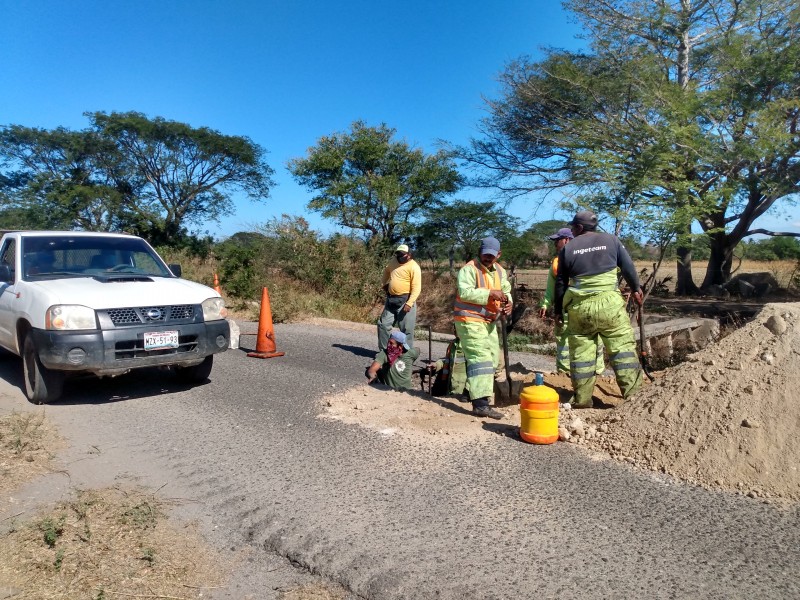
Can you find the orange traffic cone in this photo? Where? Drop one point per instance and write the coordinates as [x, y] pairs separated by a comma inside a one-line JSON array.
[[265, 343], [216, 285]]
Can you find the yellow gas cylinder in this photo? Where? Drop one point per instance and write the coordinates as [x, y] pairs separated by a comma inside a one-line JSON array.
[[538, 408]]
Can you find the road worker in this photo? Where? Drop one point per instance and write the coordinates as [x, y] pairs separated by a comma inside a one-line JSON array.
[[483, 292], [587, 298], [560, 238], [402, 282], [393, 367]]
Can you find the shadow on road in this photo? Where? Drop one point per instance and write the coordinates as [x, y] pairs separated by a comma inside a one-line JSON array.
[[357, 350], [87, 389]]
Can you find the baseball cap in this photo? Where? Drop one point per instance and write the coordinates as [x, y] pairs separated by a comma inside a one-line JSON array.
[[564, 232], [490, 245], [586, 218], [400, 338], [402, 248]]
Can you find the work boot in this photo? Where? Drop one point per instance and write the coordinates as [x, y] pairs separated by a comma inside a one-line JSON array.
[[575, 404], [481, 408]]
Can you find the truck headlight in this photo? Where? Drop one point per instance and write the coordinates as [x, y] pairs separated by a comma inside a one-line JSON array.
[[70, 316], [214, 309]]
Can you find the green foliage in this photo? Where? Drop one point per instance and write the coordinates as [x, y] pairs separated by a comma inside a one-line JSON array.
[[365, 181], [289, 258], [59, 559], [127, 172], [142, 515], [679, 113], [52, 529], [459, 227]]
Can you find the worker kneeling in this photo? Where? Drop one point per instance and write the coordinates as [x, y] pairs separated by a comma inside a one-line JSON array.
[[394, 366]]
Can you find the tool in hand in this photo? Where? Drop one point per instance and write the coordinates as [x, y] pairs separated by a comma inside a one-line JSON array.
[[643, 358], [430, 352], [504, 333]]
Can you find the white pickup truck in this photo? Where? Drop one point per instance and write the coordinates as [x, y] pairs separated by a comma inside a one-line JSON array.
[[101, 303]]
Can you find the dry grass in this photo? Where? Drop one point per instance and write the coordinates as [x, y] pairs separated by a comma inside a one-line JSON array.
[[28, 444], [104, 544]]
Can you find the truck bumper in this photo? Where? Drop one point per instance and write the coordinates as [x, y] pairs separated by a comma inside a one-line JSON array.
[[113, 352]]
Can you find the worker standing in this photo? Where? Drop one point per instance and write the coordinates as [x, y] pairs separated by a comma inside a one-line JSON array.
[[587, 299], [483, 292], [402, 282], [561, 238]]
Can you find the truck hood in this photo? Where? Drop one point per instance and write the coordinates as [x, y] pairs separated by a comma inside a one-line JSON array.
[[101, 294]]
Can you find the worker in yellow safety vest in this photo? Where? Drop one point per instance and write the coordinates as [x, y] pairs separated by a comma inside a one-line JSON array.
[[561, 238], [483, 292]]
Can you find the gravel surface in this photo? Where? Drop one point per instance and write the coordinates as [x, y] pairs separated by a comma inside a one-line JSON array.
[[294, 497]]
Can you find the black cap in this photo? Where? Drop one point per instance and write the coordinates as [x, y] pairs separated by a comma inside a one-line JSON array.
[[584, 218]]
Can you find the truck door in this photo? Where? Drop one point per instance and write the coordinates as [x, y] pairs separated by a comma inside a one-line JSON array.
[[8, 294]]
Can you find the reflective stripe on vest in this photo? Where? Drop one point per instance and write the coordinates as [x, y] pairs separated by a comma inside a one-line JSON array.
[[466, 311]]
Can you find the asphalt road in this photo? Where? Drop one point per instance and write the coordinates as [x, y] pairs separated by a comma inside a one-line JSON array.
[[388, 519]]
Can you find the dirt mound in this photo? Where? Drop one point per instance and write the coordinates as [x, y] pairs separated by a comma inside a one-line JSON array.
[[727, 418]]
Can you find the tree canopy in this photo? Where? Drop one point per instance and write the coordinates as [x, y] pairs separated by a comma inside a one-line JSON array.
[[153, 177], [682, 109], [366, 181]]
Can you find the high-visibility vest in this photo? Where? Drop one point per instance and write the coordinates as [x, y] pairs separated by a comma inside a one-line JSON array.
[[466, 311]]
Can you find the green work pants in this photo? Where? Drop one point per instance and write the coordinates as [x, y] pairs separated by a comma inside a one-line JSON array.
[[481, 348], [601, 316], [562, 350]]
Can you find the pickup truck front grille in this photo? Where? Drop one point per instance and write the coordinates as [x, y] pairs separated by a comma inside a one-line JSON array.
[[150, 314], [129, 349]]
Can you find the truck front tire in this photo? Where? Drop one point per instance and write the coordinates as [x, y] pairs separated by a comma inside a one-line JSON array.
[[41, 384]]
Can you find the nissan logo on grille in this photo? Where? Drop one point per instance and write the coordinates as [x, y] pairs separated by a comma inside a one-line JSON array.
[[153, 314]]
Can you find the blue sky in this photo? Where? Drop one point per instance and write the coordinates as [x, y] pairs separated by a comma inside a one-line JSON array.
[[282, 73]]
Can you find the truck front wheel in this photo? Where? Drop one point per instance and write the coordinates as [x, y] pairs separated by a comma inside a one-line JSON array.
[[41, 384]]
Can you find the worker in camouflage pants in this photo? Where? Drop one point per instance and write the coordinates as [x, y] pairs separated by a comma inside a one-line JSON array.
[[587, 294]]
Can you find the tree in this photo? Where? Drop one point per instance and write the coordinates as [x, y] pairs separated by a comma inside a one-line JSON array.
[[183, 175], [688, 106], [61, 179], [460, 226], [365, 181], [126, 172]]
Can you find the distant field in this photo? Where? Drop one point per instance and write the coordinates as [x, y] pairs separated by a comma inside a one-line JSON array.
[[783, 271]]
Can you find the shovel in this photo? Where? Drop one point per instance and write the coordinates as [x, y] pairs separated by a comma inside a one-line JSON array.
[[504, 335], [430, 352], [643, 344]]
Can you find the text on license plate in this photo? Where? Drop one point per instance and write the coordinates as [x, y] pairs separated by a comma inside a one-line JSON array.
[[158, 340]]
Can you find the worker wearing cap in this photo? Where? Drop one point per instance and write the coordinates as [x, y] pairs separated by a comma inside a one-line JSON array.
[[483, 292], [587, 298], [561, 238], [402, 282], [393, 366]]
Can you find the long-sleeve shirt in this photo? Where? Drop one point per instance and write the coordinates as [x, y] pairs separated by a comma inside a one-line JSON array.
[[468, 289], [403, 279], [589, 263]]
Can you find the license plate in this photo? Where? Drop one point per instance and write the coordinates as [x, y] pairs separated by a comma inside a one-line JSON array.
[[159, 340]]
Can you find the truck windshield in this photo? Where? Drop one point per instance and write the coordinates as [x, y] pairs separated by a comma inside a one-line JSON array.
[[51, 257]]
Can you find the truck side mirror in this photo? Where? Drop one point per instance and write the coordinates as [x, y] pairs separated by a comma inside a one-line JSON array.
[[6, 274], [176, 269]]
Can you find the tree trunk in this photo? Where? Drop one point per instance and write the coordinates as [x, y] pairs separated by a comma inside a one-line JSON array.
[[685, 286], [719, 265]]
